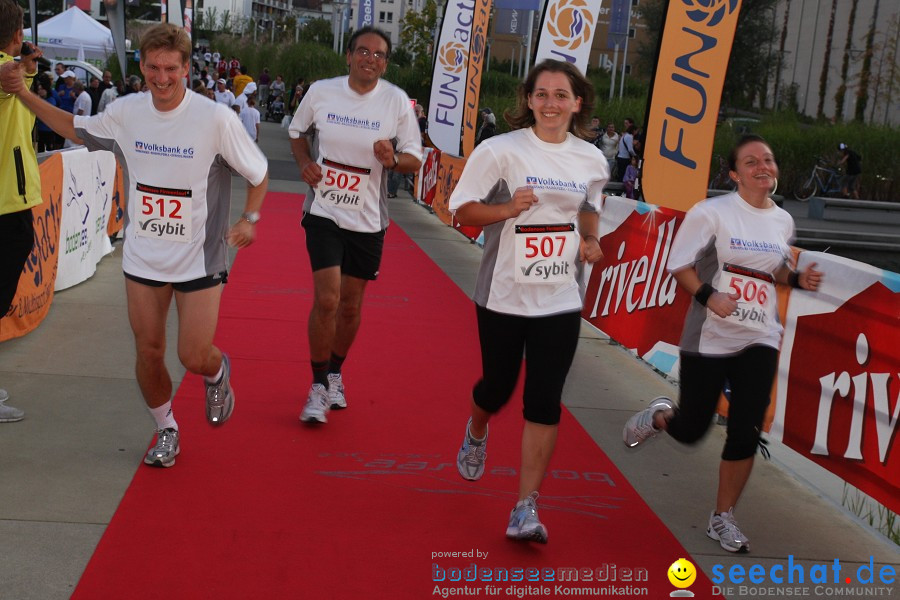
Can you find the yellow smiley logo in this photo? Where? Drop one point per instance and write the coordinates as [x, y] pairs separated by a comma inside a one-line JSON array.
[[682, 573]]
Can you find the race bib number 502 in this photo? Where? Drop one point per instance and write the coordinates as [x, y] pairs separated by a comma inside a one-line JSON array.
[[343, 186], [164, 213], [546, 253]]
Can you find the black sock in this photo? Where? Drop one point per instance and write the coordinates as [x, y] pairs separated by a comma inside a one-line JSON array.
[[320, 372], [335, 362]]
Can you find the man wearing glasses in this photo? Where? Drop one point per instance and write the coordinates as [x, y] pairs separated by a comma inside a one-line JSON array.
[[363, 126]]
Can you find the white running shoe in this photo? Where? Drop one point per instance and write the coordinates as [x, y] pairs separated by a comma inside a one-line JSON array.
[[336, 398], [723, 528], [470, 458], [524, 523], [166, 449], [316, 407], [640, 426]]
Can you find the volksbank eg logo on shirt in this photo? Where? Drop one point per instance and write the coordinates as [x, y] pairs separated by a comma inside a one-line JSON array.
[[552, 183], [348, 121], [756, 246], [155, 149]]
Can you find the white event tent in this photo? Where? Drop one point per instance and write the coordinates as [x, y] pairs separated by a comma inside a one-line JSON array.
[[72, 33]]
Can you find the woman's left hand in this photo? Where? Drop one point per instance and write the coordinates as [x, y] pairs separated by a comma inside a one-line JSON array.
[[590, 251], [810, 279]]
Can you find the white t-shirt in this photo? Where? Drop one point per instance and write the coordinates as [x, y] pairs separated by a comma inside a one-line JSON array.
[[226, 98], [250, 119], [353, 192], [83, 104], [241, 101], [733, 246], [567, 178], [177, 166]]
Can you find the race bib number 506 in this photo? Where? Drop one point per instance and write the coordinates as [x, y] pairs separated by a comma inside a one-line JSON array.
[[756, 302], [546, 253], [164, 213]]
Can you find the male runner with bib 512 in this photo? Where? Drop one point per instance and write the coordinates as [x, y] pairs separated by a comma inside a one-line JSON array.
[[177, 150], [364, 126]]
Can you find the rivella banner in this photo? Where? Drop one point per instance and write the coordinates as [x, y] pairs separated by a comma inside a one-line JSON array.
[[456, 77], [839, 405], [683, 105], [567, 30]]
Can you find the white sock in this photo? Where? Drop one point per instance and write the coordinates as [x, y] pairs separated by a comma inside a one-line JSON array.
[[163, 416], [218, 376]]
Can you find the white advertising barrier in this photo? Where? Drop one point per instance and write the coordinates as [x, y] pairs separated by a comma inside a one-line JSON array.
[[838, 396], [87, 190]]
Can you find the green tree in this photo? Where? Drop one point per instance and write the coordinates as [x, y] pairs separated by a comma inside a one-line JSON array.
[[417, 34], [319, 31]]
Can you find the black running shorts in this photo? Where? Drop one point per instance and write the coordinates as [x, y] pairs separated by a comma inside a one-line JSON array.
[[357, 253]]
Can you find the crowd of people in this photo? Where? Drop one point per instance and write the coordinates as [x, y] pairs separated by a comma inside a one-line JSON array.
[[521, 310]]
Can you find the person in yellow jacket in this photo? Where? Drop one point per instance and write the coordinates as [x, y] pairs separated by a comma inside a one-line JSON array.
[[240, 81], [20, 182]]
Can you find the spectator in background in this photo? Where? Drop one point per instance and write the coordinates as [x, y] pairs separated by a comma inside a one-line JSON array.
[[20, 180], [234, 67], [609, 145], [630, 177], [297, 95], [850, 160], [223, 95], [66, 92], [47, 138], [133, 86], [82, 100], [240, 81], [107, 81], [95, 91], [625, 150], [241, 99], [596, 132], [111, 94], [58, 78], [422, 119], [263, 82], [488, 126], [250, 119], [277, 89]]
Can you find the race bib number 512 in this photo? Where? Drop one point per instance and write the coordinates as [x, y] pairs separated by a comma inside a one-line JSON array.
[[164, 213], [546, 253]]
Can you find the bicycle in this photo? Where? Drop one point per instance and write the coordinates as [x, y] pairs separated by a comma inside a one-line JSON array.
[[824, 180], [721, 180]]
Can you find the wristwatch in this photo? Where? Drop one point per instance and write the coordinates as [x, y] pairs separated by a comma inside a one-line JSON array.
[[251, 217]]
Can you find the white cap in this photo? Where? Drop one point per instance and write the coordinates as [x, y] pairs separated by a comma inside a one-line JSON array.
[[67, 73], [842, 146], [221, 81], [249, 88]]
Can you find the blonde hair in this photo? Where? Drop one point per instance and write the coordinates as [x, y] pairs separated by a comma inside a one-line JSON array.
[[166, 36]]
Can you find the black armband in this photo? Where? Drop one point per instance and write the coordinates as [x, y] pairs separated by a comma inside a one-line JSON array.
[[794, 279], [702, 295]]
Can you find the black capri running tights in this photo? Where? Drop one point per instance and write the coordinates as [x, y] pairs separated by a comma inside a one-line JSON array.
[[749, 374], [548, 345]]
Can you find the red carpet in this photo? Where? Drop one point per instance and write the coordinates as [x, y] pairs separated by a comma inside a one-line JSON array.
[[266, 507]]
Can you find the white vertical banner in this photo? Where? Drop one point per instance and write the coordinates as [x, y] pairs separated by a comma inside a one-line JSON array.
[[448, 80], [567, 30], [87, 190]]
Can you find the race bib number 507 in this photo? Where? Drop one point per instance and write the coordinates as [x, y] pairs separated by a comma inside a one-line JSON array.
[[546, 253], [164, 213]]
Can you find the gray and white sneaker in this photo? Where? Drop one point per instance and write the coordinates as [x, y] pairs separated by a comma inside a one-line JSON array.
[[640, 426], [316, 407], [723, 528], [471, 456], [166, 449], [524, 523], [336, 398], [10, 414], [220, 396], [4, 395]]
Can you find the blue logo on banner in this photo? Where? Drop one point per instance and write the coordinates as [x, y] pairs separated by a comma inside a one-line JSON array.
[[518, 4], [366, 13]]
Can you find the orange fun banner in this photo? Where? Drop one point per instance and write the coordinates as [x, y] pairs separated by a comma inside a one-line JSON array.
[[35, 292], [684, 102]]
